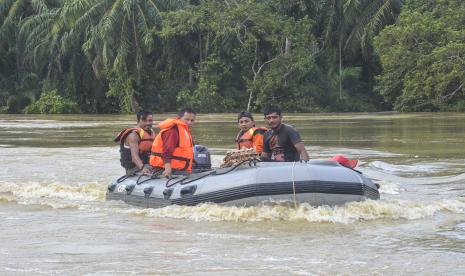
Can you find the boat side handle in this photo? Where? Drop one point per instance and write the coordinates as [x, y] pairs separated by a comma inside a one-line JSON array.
[[188, 191]]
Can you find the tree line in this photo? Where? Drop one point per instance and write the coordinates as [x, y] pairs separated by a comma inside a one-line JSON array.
[[111, 56]]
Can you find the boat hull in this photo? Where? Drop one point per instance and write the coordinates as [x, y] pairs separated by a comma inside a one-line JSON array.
[[316, 183]]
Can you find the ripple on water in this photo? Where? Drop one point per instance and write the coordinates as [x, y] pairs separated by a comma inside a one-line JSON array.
[[413, 168], [456, 233], [54, 124]]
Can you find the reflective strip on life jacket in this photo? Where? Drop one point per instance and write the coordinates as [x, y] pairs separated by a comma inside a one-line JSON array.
[[187, 161]]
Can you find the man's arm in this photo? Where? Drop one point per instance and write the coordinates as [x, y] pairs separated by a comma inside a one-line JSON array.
[[170, 142], [294, 135], [266, 153], [133, 141], [300, 147], [257, 141]]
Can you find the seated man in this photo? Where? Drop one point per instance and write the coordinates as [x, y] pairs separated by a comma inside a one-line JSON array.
[[173, 148], [135, 144], [282, 142], [249, 135]]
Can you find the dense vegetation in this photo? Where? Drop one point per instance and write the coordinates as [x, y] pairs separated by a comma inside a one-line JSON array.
[[102, 56], [423, 57]]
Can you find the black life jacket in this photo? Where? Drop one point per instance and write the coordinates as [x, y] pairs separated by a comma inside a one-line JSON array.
[[145, 145]]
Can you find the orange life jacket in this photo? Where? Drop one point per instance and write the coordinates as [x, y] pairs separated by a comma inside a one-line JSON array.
[[145, 144], [183, 155], [246, 140]]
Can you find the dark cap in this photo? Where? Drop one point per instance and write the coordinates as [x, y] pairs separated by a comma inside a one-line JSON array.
[[244, 114]]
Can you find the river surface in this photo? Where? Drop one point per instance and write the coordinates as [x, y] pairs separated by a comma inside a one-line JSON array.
[[55, 220]]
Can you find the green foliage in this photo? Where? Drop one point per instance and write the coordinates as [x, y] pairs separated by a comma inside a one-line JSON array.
[[240, 51], [50, 102], [307, 56], [423, 57], [15, 104], [123, 90], [206, 97]]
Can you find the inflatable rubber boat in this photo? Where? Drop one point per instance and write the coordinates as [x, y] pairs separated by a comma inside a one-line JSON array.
[[249, 183]]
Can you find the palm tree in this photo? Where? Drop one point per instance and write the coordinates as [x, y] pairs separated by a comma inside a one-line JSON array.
[[40, 36], [13, 14], [350, 25], [117, 35]]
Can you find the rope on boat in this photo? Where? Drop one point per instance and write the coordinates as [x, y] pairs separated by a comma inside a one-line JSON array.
[[152, 176], [168, 184], [234, 160], [126, 176], [293, 185], [252, 162]]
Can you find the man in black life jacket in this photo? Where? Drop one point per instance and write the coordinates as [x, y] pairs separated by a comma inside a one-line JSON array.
[[136, 143]]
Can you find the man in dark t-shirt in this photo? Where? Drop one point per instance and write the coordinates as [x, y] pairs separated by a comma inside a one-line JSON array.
[[282, 142]]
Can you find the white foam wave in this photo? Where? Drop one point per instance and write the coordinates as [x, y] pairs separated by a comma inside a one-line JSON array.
[[56, 195], [414, 168], [327, 152], [90, 197], [387, 187], [349, 213]]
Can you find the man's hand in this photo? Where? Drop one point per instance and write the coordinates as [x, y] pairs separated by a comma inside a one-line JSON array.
[[167, 172], [302, 151], [146, 169], [265, 156]]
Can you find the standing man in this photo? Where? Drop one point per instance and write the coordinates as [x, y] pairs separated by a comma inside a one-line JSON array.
[[173, 148], [282, 142], [249, 135], [135, 144]]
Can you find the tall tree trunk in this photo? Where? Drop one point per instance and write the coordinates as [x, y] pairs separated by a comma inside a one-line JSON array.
[[134, 104], [341, 29], [249, 103], [200, 48], [340, 66], [191, 76], [287, 48]]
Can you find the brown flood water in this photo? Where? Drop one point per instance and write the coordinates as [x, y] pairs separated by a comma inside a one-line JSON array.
[[55, 221]]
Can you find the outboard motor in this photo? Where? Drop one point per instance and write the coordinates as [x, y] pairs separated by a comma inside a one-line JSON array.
[[202, 160]]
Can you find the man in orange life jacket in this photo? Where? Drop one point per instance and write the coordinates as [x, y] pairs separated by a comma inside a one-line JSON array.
[[135, 144], [249, 136], [173, 148]]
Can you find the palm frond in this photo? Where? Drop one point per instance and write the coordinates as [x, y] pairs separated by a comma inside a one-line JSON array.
[[152, 13], [15, 11], [39, 6], [5, 6], [371, 19]]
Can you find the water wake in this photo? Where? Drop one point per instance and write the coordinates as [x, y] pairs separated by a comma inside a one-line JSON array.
[[348, 213], [414, 168], [388, 187], [91, 197], [56, 195]]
